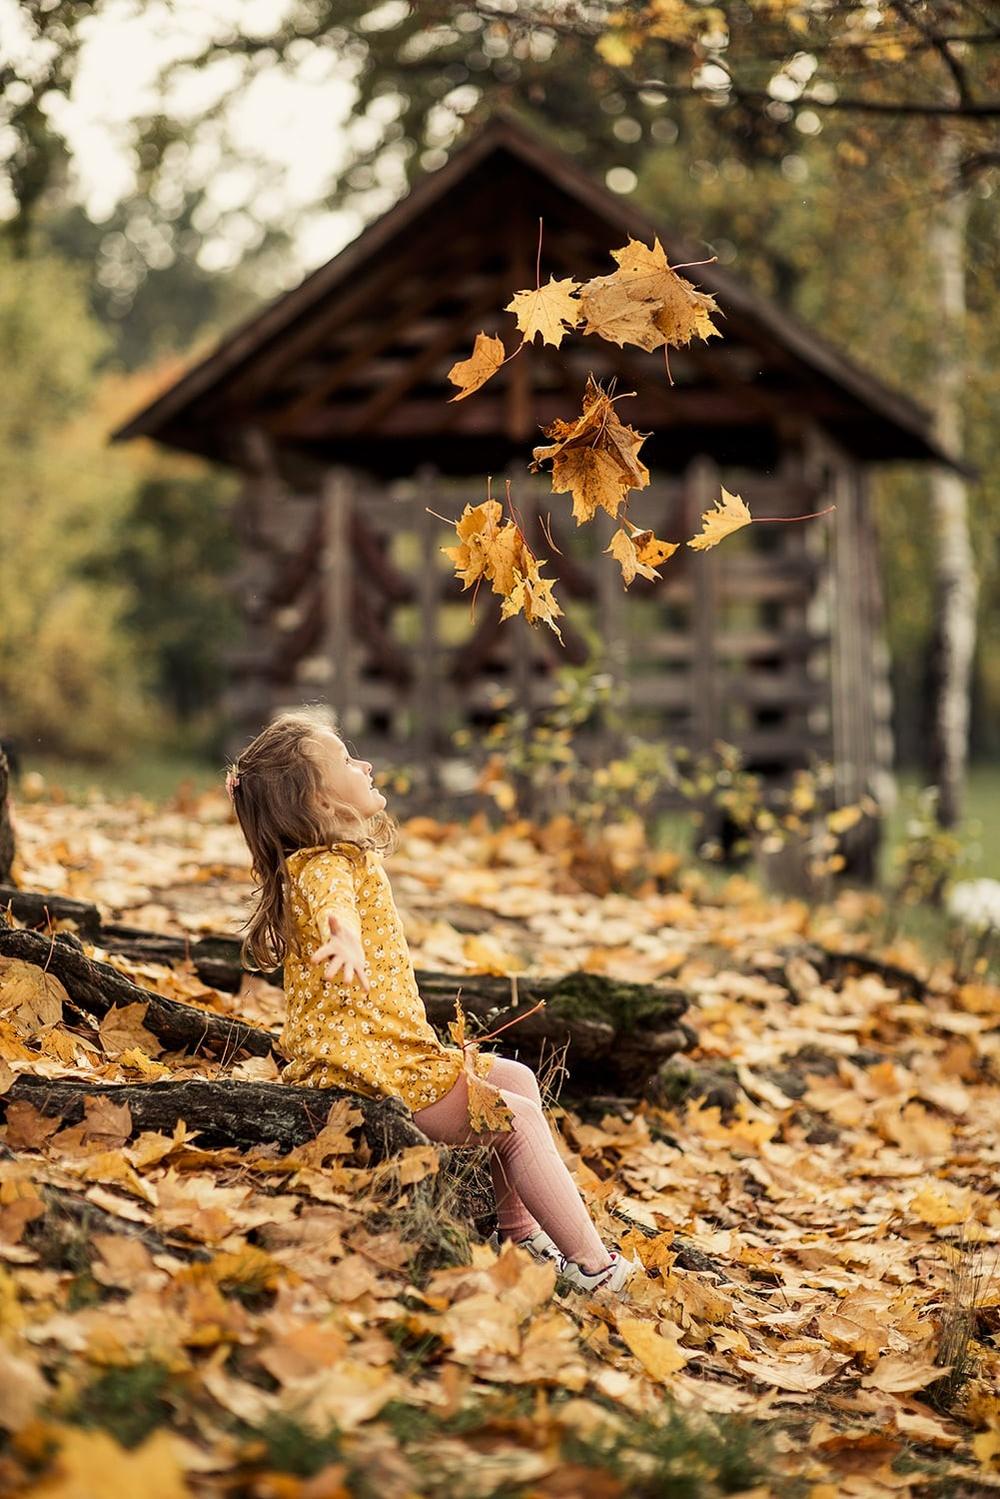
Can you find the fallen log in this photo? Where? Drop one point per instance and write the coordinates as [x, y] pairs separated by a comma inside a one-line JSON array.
[[616, 1034], [225, 1113], [97, 988], [39, 910]]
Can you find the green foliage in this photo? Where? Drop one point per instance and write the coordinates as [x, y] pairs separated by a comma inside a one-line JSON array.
[[927, 859], [533, 761], [176, 547], [69, 678]]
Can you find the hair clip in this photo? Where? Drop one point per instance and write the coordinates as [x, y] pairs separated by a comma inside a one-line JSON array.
[[232, 781]]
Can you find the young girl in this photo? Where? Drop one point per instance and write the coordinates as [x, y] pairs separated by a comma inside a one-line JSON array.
[[316, 827]]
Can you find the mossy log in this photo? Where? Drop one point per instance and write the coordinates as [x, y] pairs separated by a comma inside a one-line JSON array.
[[616, 1034], [225, 1112]]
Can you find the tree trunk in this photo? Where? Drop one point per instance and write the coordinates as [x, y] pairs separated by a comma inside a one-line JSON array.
[[6, 827], [955, 574]]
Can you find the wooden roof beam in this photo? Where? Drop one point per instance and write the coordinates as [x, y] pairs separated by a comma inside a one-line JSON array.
[[415, 418], [365, 350], [347, 302], [448, 340]]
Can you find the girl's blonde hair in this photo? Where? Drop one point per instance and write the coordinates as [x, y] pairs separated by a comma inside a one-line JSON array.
[[282, 803]]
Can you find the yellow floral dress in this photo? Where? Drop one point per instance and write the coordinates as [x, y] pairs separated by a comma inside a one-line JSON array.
[[379, 1043]]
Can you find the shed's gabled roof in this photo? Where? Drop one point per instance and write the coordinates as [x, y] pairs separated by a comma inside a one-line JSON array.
[[351, 365]]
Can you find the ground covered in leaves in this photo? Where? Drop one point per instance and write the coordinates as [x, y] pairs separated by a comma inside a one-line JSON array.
[[814, 1196]]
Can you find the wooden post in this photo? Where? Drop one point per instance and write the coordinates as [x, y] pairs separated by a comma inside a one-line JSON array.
[[338, 570], [428, 705], [701, 489], [613, 628], [517, 399], [853, 717]]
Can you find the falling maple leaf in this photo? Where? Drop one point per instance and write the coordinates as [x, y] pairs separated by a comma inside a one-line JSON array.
[[551, 310], [595, 458], [652, 551], [534, 597], [639, 553], [728, 514], [499, 552], [486, 358], [645, 302], [477, 528]]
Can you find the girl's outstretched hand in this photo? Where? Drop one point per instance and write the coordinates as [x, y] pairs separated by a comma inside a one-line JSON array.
[[342, 951]]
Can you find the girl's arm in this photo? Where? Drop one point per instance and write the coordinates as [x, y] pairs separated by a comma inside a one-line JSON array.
[[329, 892]]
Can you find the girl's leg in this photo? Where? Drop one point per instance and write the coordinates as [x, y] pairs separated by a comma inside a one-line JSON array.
[[513, 1219], [531, 1163]]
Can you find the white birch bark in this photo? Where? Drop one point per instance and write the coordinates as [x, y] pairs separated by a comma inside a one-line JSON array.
[[954, 571]]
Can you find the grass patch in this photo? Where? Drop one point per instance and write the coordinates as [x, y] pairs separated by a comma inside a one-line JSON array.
[[157, 777], [978, 833], [675, 1457], [128, 1403], [442, 1215], [291, 1447], [959, 1325], [63, 1242]]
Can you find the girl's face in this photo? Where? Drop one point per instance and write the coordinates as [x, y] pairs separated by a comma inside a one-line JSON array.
[[348, 779]]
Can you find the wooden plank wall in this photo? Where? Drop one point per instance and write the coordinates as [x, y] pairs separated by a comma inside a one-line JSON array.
[[733, 643]]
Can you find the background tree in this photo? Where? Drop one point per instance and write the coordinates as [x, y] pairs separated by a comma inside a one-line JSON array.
[[799, 139], [70, 678]]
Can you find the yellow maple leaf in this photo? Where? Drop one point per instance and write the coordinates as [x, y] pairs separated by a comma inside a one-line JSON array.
[[660, 1356], [487, 1109], [595, 458], [32, 998], [122, 1029], [611, 311], [486, 358], [500, 554], [90, 1462], [533, 597], [626, 554], [477, 529], [652, 551], [986, 1446], [645, 302], [551, 310], [729, 514], [593, 478], [683, 312]]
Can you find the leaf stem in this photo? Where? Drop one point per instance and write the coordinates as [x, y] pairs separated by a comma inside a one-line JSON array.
[[786, 519]]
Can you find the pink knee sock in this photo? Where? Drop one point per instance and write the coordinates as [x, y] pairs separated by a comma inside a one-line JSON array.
[[536, 1187]]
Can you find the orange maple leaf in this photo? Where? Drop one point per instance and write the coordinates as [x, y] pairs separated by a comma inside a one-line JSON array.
[[482, 364]]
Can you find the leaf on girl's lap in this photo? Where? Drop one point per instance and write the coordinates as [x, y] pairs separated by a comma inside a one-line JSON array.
[[487, 1109]]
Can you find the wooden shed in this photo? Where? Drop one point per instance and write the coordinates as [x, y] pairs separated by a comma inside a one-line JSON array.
[[333, 402]]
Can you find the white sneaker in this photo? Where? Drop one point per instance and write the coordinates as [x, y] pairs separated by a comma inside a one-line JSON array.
[[538, 1244], [612, 1278], [541, 1246]]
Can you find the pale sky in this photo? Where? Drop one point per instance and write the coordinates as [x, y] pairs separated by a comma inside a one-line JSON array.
[[298, 126]]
